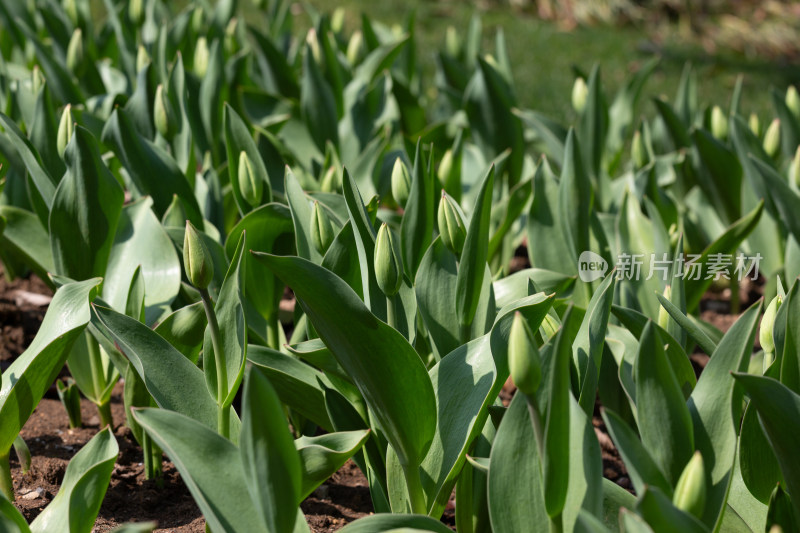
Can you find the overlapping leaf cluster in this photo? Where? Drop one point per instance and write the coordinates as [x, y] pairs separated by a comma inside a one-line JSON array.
[[171, 174]]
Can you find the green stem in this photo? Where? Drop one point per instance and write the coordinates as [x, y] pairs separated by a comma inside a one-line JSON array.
[[104, 412], [223, 413], [735, 302], [391, 319], [273, 336], [6, 484], [556, 524], [148, 456], [415, 493]]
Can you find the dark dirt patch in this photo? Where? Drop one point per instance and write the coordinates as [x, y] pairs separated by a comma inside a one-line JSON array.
[[20, 314]]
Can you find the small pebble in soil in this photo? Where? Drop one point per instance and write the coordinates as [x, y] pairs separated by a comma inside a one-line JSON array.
[[624, 482], [33, 494]]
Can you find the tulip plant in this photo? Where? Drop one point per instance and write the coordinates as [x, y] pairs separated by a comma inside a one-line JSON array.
[[295, 251]]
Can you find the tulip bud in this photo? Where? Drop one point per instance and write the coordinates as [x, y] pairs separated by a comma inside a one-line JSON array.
[[37, 80], [142, 58], [175, 215], [231, 45], [198, 20], [452, 42], [663, 316], [772, 139], [639, 150], [690, 492], [75, 55], [331, 180], [765, 334], [65, 128], [136, 11], [580, 92], [793, 101], [445, 166], [201, 57], [451, 225], [754, 124], [71, 9], [196, 258], [337, 20], [313, 45], [322, 231], [355, 48], [719, 123], [388, 261], [251, 186], [523, 357], [163, 116], [401, 182]]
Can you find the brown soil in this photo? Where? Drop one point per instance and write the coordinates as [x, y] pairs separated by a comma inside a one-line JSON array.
[[20, 314]]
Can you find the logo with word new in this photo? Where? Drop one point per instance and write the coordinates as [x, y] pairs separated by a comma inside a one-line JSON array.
[[591, 266]]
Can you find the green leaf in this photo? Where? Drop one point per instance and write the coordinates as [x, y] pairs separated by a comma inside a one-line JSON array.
[[759, 467], [77, 503], [24, 237], [593, 127], [184, 330], [472, 267], [322, 456], [396, 523], [416, 228], [386, 369], [697, 334], [237, 140], [615, 501], [233, 333], [659, 512], [223, 500], [85, 212], [779, 413], [664, 421], [300, 207], [29, 377], [317, 103], [168, 375], [272, 467], [141, 242], [715, 409], [11, 520], [547, 247]]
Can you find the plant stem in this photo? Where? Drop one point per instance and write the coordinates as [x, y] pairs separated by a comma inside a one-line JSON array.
[[104, 412], [223, 413], [98, 379], [273, 336], [415, 493], [148, 456], [735, 302], [6, 484], [556, 524]]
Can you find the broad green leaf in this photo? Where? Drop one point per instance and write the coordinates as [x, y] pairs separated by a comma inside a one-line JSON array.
[[715, 407], [472, 267], [25, 238], [549, 133], [386, 369], [141, 242], [588, 346], [237, 140], [85, 212], [395, 523], [317, 103], [29, 377], [322, 456], [95, 382], [168, 375], [297, 384], [720, 175], [615, 499], [233, 333], [547, 247], [697, 334], [184, 330], [593, 125], [299, 205], [664, 421], [416, 229], [223, 500], [575, 200], [640, 464], [585, 486], [515, 286], [81, 493], [272, 468], [659, 512], [11, 520], [778, 412]]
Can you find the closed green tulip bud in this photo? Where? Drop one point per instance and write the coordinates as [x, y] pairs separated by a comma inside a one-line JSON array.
[[355, 48], [136, 11], [754, 124], [793, 101], [766, 332], [142, 58], [198, 20], [196, 259], [231, 45], [663, 316], [451, 225], [163, 117], [523, 357], [452, 42], [201, 57], [65, 128], [37, 80], [401, 182], [639, 150], [175, 215], [75, 55], [250, 185], [388, 261], [71, 9], [445, 166], [580, 93], [719, 123], [337, 20], [331, 180], [772, 139], [322, 232], [690, 492], [313, 44]]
